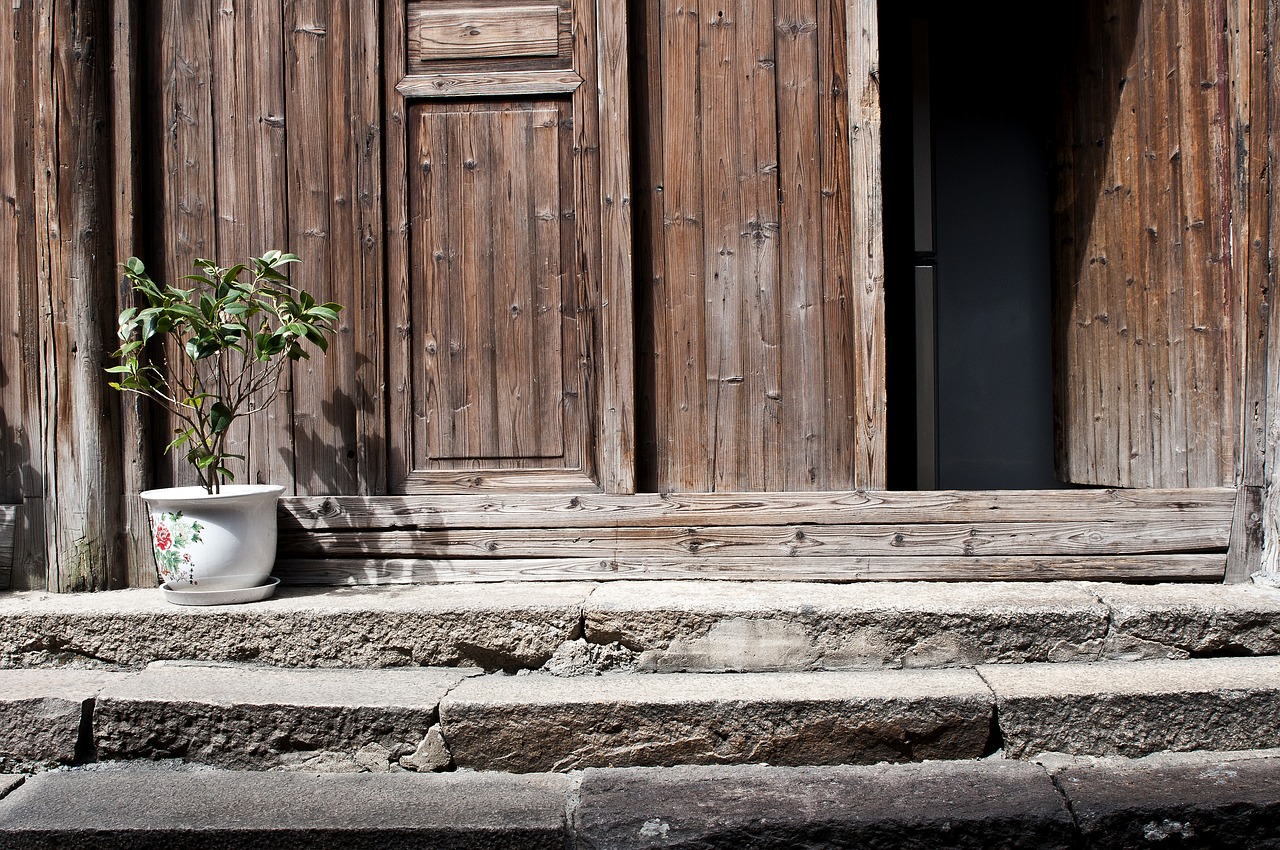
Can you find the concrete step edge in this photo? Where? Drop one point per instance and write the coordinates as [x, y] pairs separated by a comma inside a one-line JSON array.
[[659, 626], [436, 718], [1194, 800]]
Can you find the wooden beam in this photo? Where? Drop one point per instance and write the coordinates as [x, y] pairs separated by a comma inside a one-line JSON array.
[[1173, 534], [10, 520], [1208, 567], [1271, 509], [597, 510], [80, 417], [867, 239]]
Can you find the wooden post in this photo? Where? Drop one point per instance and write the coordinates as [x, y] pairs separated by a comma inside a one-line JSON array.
[[1271, 93], [80, 415]]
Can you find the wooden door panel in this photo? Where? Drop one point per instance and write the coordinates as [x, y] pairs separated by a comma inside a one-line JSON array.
[[492, 242], [1146, 372]]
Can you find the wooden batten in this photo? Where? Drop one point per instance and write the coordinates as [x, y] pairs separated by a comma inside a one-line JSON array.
[[1271, 93], [79, 413], [10, 522], [856, 536]]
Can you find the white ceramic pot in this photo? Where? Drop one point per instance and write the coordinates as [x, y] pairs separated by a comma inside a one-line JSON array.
[[219, 542]]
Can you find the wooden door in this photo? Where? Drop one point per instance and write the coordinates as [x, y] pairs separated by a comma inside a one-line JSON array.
[[759, 350], [1147, 368], [510, 293]]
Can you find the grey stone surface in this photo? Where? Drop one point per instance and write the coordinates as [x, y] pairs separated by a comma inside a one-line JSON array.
[[1194, 802], [714, 626], [539, 723], [41, 712], [882, 807], [1138, 707], [519, 626], [258, 718], [8, 783], [164, 809], [431, 754], [1183, 621], [580, 658]]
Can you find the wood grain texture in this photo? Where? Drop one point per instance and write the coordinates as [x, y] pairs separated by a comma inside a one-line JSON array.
[[482, 33], [79, 413], [10, 523], [1148, 352], [1208, 567], [1271, 508], [730, 509], [747, 331], [490, 84], [1251, 127], [21, 458]]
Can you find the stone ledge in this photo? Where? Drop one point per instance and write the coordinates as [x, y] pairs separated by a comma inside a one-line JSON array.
[[659, 626], [539, 723], [8, 783], [44, 714], [1135, 708]]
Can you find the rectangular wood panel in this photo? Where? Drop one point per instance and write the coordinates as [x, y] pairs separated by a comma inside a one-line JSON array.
[[748, 335], [1146, 361], [483, 33], [489, 211]]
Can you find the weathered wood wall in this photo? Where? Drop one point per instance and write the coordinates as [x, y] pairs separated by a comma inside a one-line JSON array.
[[1148, 384], [265, 129], [751, 357]]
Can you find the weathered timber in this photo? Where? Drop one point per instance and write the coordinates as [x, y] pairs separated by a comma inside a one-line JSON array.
[[754, 509], [1147, 360], [489, 83], [483, 33], [1195, 567], [811, 541], [21, 460], [1271, 514], [79, 413], [10, 522], [1251, 101]]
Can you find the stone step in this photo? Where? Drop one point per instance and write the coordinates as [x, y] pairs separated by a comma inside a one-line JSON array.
[[659, 626], [1188, 801], [434, 718]]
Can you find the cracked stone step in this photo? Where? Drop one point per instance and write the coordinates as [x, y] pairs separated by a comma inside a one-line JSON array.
[[161, 809], [44, 716], [542, 723], [658, 626], [260, 718], [1209, 800], [1136, 708]]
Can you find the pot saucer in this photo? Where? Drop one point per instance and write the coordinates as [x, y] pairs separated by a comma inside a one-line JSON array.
[[191, 596]]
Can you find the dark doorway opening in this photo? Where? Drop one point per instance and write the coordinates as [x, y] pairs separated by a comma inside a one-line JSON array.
[[969, 98]]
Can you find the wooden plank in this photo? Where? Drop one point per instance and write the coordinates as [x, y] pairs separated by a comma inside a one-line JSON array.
[[483, 33], [1271, 512], [867, 241], [10, 521], [617, 464], [1050, 568], [498, 481], [1174, 534], [728, 509], [403, 436], [490, 83], [80, 414]]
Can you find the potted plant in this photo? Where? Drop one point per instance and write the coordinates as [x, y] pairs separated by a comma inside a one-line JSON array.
[[231, 341]]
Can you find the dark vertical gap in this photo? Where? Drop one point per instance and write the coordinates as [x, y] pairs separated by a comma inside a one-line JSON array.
[[86, 749]]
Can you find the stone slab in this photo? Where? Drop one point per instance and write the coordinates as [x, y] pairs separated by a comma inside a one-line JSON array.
[[8, 783], [455, 625], [217, 809], [1139, 707], [734, 626], [956, 805], [41, 715], [258, 718], [541, 723], [1187, 621], [1198, 801]]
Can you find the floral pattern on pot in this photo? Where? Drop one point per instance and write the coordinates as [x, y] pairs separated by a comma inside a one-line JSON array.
[[173, 535]]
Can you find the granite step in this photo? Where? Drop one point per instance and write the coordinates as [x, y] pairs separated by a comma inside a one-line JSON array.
[[1208, 800], [653, 626], [427, 719]]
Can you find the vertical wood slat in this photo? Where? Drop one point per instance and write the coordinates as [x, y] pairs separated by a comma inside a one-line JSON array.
[[867, 241], [80, 416], [1271, 87], [1146, 391], [20, 454]]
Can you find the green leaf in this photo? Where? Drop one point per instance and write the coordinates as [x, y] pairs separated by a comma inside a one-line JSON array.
[[220, 417]]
